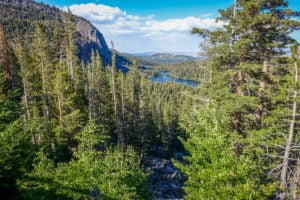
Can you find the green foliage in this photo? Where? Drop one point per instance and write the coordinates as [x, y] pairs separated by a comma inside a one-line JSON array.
[[259, 31], [213, 168], [109, 174], [70, 118], [99, 96], [16, 154], [9, 111], [254, 97]]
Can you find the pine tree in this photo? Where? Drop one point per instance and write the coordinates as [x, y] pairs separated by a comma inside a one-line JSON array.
[[23, 60], [100, 104], [16, 149], [247, 55], [70, 117], [117, 102], [5, 62], [71, 47], [136, 84], [92, 174], [9, 108], [42, 59], [69, 99], [214, 171]]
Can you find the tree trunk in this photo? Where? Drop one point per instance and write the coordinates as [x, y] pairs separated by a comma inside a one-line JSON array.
[[59, 100], [122, 121], [45, 92], [296, 181], [70, 59], [262, 85], [237, 116], [240, 81], [24, 81], [287, 152], [90, 84], [113, 88], [237, 122]]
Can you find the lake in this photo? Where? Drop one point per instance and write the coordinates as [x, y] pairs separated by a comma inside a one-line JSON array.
[[164, 76]]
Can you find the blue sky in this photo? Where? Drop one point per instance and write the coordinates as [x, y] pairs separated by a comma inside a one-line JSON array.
[[163, 9], [152, 25]]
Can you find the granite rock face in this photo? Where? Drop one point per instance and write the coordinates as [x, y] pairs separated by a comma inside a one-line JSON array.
[[89, 38]]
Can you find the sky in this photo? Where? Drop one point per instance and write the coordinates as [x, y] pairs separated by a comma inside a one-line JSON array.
[[138, 26]]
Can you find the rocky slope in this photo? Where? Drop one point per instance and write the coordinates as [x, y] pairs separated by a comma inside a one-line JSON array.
[[166, 180]]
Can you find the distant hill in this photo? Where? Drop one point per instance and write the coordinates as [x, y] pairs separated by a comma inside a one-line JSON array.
[[141, 61], [19, 17], [166, 58]]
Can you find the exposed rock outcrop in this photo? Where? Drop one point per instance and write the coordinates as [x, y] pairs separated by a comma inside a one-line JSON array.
[[166, 180], [90, 38]]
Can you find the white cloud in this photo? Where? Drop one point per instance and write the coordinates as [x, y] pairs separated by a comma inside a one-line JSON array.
[[180, 25], [143, 33], [97, 12]]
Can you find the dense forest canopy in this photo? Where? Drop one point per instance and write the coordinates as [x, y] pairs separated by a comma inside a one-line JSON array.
[[79, 128]]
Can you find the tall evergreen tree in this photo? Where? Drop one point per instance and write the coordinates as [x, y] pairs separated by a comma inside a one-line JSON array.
[[100, 104], [5, 62], [42, 59], [136, 84], [16, 150], [71, 46], [24, 62], [70, 117], [116, 100], [254, 36]]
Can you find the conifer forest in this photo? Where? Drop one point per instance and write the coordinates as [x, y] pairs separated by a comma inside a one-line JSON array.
[[81, 120]]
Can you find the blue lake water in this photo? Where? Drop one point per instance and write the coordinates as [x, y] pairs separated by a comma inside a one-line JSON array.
[[164, 76]]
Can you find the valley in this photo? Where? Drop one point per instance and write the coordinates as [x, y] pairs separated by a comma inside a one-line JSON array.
[[80, 119]]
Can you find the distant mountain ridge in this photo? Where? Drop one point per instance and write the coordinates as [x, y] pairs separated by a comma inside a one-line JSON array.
[[165, 58], [150, 53], [18, 18]]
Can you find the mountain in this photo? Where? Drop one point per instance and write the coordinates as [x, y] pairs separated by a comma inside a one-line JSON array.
[[20, 16], [142, 62], [150, 53], [166, 58], [144, 53]]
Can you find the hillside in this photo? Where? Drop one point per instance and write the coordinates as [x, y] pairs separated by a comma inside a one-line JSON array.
[[142, 62], [77, 129], [166, 58], [20, 16]]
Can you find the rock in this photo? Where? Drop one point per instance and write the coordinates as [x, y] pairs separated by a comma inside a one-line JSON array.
[[178, 156], [173, 176], [174, 186], [169, 169], [166, 180]]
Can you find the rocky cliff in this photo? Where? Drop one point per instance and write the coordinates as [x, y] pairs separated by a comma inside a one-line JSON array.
[[90, 38]]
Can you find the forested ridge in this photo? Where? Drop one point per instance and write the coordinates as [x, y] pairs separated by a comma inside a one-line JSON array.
[[75, 126]]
